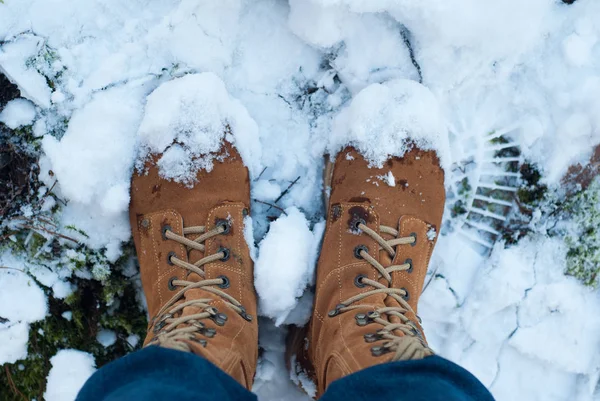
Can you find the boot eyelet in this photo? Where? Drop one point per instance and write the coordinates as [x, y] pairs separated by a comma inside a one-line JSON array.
[[372, 337], [210, 333], [225, 225], [414, 235], [172, 287], [406, 295], [380, 350], [361, 319], [244, 212], [226, 282], [410, 262], [358, 250], [358, 281], [158, 326], [226, 254], [356, 222], [169, 256], [220, 319], [164, 230], [248, 317], [336, 311]]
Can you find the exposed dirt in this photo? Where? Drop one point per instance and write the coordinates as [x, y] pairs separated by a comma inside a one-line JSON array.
[[8, 91], [17, 168], [583, 176]]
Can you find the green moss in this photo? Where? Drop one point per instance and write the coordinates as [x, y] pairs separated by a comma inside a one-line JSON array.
[[464, 187], [532, 192], [583, 257], [458, 209], [90, 313]]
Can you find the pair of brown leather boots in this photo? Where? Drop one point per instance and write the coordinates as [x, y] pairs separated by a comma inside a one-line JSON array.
[[198, 276]]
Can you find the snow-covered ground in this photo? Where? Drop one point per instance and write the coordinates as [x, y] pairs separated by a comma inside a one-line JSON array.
[[108, 80]]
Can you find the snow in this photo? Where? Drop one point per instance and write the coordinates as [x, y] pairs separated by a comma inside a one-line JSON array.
[[22, 302], [133, 340], [266, 190], [387, 119], [70, 370], [521, 318], [197, 113], [272, 380], [17, 113], [285, 267], [296, 80], [106, 337], [13, 63]]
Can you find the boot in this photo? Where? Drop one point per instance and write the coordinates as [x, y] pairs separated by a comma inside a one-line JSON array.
[[195, 264], [382, 226]]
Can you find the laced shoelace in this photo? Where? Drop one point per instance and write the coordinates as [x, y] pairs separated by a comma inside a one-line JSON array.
[[410, 345], [167, 330]]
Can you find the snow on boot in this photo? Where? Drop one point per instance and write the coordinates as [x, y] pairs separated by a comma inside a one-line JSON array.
[[382, 226], [195, 264]]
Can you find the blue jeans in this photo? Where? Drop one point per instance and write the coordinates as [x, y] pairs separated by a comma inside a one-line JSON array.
[[159, 374]]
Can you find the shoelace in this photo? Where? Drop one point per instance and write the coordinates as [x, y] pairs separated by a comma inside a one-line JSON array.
[[166, 329], [409, 346]]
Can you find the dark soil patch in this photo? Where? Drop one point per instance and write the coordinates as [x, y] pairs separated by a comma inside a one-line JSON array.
[[8, 91]]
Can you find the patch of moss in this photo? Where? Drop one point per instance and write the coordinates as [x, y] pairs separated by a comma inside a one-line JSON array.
[[464, 187], [532, 192], [583, 257], [458, 209], [26, 379]]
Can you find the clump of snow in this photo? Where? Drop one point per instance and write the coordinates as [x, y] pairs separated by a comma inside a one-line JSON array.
[[285, 266], [301, 379], [17, 113], [22, 302], [106, 337], [70, 370], [133, 340], [431, 233], [197, 113], [265, 190], [100, 142], [388, 178], [14, 57], [62, 289], [385, 120]]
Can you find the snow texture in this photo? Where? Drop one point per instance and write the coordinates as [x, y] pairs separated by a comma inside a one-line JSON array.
[[196, 113], [288, 82], [22, 302], [387, 119], [285, 267], [17, 113], [70, 370]]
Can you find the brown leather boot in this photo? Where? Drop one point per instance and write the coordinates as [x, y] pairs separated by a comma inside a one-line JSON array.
[[382, 225], [195, 264]]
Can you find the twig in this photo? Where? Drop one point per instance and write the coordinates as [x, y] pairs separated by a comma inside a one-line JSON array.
[[12, 384], [287, 190], [11, 268], [270, 204], [51, 233], [48, 192], [261, 173]]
